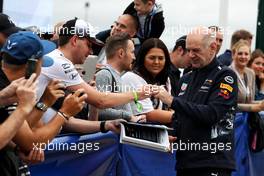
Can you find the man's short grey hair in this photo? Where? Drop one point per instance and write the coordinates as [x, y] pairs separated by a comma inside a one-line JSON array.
[[207, 35]]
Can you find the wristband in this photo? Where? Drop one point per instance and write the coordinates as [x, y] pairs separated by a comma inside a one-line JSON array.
[[102, 127], [63, 115], [135, 96], [139, 105]]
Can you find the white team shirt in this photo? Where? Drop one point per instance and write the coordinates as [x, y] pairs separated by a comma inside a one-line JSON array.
[[56, 66]]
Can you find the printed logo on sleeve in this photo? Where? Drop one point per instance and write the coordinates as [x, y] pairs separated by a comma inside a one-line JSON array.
[[224, 93], [229, 79], [226, 86]]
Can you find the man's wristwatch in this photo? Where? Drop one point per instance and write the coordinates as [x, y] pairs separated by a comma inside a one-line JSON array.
[[41, 106]]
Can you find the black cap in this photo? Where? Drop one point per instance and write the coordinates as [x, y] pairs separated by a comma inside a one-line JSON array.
[[7, 26]]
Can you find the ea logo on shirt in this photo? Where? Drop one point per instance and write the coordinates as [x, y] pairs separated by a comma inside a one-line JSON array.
[[229, 79]]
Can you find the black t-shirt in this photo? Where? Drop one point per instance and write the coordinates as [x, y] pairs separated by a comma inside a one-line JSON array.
[[174, 75]]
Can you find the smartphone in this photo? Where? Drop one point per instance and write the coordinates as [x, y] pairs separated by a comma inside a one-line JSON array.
[[81, 94], [31, 67]]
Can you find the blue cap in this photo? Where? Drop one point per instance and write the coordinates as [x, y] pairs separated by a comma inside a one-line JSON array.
[[24, 45]]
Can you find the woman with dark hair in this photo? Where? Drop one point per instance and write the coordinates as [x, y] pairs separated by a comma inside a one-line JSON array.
[[256, 63], [152, 64], [151, 67], [153, 61]]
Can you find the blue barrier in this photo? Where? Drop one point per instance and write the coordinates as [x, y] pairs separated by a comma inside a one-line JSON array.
[[256, 164], [75, 161], [142, 162], [106, 157], [241, 145]]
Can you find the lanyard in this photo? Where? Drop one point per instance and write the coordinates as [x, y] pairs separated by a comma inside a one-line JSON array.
[[244, 84]]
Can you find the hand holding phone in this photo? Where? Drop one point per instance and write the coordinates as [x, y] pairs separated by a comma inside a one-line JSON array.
[[31, 67], [81, 94]]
